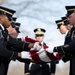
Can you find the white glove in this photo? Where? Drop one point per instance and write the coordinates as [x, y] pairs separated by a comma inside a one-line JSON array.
[[23, 39], [36, 46], [25, 55], [43, 55], [50, 49]]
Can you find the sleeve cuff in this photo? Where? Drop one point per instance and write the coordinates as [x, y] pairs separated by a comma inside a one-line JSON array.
[[14, 56], [25, 46]]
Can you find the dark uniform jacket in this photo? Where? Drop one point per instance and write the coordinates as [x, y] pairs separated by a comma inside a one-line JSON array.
[[67, 56], [7, 54], [69, 49]]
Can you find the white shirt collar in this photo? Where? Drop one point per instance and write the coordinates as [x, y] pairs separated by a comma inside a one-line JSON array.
[[66, 33], [2, 26], [42, 43]]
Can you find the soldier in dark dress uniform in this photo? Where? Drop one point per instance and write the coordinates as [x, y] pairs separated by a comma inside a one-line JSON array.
[[62, 29], [14, 33], [68, 26], [11, 41], [5, 39], [69, 47], [39, 68], [4, 53]]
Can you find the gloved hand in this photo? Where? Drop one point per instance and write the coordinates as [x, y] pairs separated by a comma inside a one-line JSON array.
[[55, 49], [27, 39], [59, 50], [25, 55], [50, 49], [27, 73], [37, 46]]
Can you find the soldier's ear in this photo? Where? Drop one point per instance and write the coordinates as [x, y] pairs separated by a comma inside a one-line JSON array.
[[1, 18]]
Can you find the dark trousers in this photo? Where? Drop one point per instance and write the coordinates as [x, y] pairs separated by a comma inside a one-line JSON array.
[[26, 68], [72, 66], [2, 69], [39, 69], [4, 66]]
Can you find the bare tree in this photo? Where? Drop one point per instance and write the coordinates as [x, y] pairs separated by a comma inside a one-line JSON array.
[[2, 1]]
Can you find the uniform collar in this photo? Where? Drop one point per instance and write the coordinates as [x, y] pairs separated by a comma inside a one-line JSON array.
[[2, 26], [41, 43], [67, 32]]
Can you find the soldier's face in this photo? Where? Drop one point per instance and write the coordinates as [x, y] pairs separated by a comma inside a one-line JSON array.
[[69, 26], [40, 38], [63, 29], [5, 21], [12, 32], [10, 29], [71, 19]]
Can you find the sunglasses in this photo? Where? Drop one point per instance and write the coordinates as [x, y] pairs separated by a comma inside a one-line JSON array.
[[9, 17], [37, 35], [13, 24]]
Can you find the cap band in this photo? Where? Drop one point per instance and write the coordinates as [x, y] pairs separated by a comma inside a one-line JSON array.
[[70, 9], [13, 21], [64, 19], [60, 23], [6, 11], [17, 26]]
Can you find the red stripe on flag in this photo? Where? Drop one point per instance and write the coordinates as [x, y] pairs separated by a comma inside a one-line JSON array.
[[35, 57], [51, 56]]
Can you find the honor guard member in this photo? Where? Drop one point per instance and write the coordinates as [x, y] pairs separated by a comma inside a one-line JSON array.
[[15, 34], [12, 26], [10, 41], [69, 47], [62, 29], [5, 16], [40, 68], [68, 26], [4, 53], [14, 31], [60, 25]]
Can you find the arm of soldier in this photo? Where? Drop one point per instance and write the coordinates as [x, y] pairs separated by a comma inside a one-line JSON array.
[[24, 46], [68, 48], [7, 53], [23, 60], [16, 50], [19, 44], [19, 56]]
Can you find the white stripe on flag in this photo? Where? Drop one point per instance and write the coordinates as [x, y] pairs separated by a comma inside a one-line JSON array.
[[43, 56]]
